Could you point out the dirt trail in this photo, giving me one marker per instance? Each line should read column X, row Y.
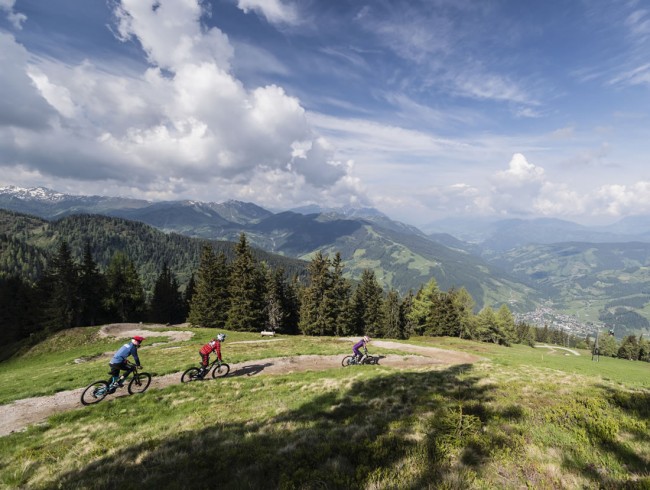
column 19, row 414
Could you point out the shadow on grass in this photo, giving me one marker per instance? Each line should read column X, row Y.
column 614, row 426
column 401, row 430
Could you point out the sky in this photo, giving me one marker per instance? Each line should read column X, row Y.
column 424, row 110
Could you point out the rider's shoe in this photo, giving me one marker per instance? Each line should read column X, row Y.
column 120, row 383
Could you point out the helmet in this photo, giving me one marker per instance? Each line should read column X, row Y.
column 366, row 339
column 221, row 337
column 138, row 338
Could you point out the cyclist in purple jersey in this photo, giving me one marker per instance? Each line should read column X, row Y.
column 355, row 349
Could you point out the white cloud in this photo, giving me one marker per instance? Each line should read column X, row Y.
column 275, row 11
column 15, row 18
column 183, row 123
column 21, row 104
column 520, row 173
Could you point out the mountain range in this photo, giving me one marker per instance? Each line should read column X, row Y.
column 598, row 274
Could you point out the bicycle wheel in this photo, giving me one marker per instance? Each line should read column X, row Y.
column 347, row 361
column 139, row 383
column 94, row 393
column 192, row 374
column 220, row 370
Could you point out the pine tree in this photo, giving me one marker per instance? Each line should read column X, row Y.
column 629, row 348
column 167, row 302
column 464, row 304
column 247, row 291
column 406, row 308
column 337, row 298
column 506, row 323
column 190, row 289
column 368, row 306
column 125, row 299
column 420, row 310
column 315, row 319
column 393, row 326
column 18, row 310
column 60, row 291
column 92, row 289
column 274, row 299
column 211, row 300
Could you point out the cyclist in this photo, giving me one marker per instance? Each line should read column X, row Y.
column 207, row 349
column 355, row 349
column 119, row 361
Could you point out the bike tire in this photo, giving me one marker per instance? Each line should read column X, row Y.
column 191, row 374
column 347, row 361
column 220, row 371
column 94, row 393
column 139, row 383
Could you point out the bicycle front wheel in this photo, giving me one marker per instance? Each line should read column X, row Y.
column 192, row 374
column 220, row 370
column 347, row 360
column 139, row 383
column 95, row 393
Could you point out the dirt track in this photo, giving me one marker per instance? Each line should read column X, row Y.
column 19, row 414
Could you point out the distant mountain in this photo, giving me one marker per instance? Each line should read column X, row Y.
column 498, row 236
column 401, row 256
column 47, row 203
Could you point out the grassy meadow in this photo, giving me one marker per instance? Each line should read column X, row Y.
column 522, row 418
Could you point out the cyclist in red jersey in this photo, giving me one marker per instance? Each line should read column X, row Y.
column 213, row 346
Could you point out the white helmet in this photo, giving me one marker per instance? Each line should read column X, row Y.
column 221, row 337
column 366, row 339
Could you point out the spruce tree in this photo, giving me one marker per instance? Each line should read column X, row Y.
column 315, row 318
column 92, row 289
column 338, row 298
column 167, row 302
column 464, row 304
column 393, row 328
column 125, row 298
column 368, row 306
column 210, row 300
column 60, row 291
column 190, row 289
column 247, row 291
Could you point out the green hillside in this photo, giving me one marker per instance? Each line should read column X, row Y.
column 518, row 418
column 27, row 241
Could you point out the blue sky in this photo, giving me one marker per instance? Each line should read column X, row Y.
column 422, row 109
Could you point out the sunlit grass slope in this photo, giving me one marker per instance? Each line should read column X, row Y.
column 524, row 418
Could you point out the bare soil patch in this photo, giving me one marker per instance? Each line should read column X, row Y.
column 19, row 414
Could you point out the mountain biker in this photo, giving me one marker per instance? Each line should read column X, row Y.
column 207, row 349
column 355, row 349
column 119, row 360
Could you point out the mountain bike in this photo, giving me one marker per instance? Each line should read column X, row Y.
column 98, row 390
column 353, row 360
column 219, row 370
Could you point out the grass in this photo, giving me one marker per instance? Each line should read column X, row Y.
column 516, row 420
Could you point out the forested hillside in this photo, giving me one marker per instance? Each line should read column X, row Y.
column 27, row 241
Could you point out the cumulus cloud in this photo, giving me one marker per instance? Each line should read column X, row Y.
column 21, row 105
column 520, row 173
column 183, row 123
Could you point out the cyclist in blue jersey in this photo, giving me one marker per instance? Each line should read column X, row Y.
column 119, row 361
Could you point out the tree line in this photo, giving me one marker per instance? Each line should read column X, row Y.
column 244, row 293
